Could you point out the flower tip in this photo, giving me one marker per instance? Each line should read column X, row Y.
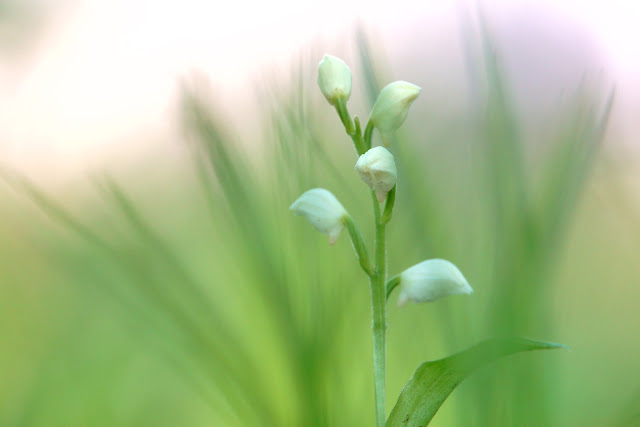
column 403, row 299
column 411, row 89
column 465, row 287
column 386, row 138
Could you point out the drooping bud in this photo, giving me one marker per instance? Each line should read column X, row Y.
column 378, row 170
column 323, row 211
column 334, row 79
column 392, row 106
column 430, row 280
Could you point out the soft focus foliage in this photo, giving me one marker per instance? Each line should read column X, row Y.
column 196, row 298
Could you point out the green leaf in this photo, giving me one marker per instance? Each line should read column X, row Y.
column 434, row 381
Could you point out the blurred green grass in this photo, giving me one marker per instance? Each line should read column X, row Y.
column 196, row 298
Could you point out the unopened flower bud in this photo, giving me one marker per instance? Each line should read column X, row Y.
column 430, row 280
column 378, row 170
column 334, row 79
column 322, row 210
column 392, row 106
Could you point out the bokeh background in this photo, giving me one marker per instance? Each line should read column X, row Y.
column 151, row 273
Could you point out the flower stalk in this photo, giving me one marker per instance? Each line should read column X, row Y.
column 378, row 310
column 359, row 246
column 345, row 118
column 426, row 281
column 377, row 276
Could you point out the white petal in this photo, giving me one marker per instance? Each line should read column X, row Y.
column 386, row 137
column 432, row 279
column 378, row 170
column 334, row 79
column 322, row 210
column 403, row 299
column 392, row 106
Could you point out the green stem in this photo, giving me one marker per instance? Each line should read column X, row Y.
column 357, row 138
column 368, row 133
column 391, row 284
column 378, row 273
column 378, row 305
column 345, row 118
column 359, row 246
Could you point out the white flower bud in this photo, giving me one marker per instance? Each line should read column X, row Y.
column 392, row 106
column 322, row 210
column 378, row 170
column 334, row 79
column 430, row 280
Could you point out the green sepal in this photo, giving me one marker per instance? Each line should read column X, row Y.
column 388, row 207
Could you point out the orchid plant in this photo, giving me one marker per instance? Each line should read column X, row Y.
column 427, row 281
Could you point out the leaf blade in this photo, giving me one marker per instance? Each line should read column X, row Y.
column 434, row 381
